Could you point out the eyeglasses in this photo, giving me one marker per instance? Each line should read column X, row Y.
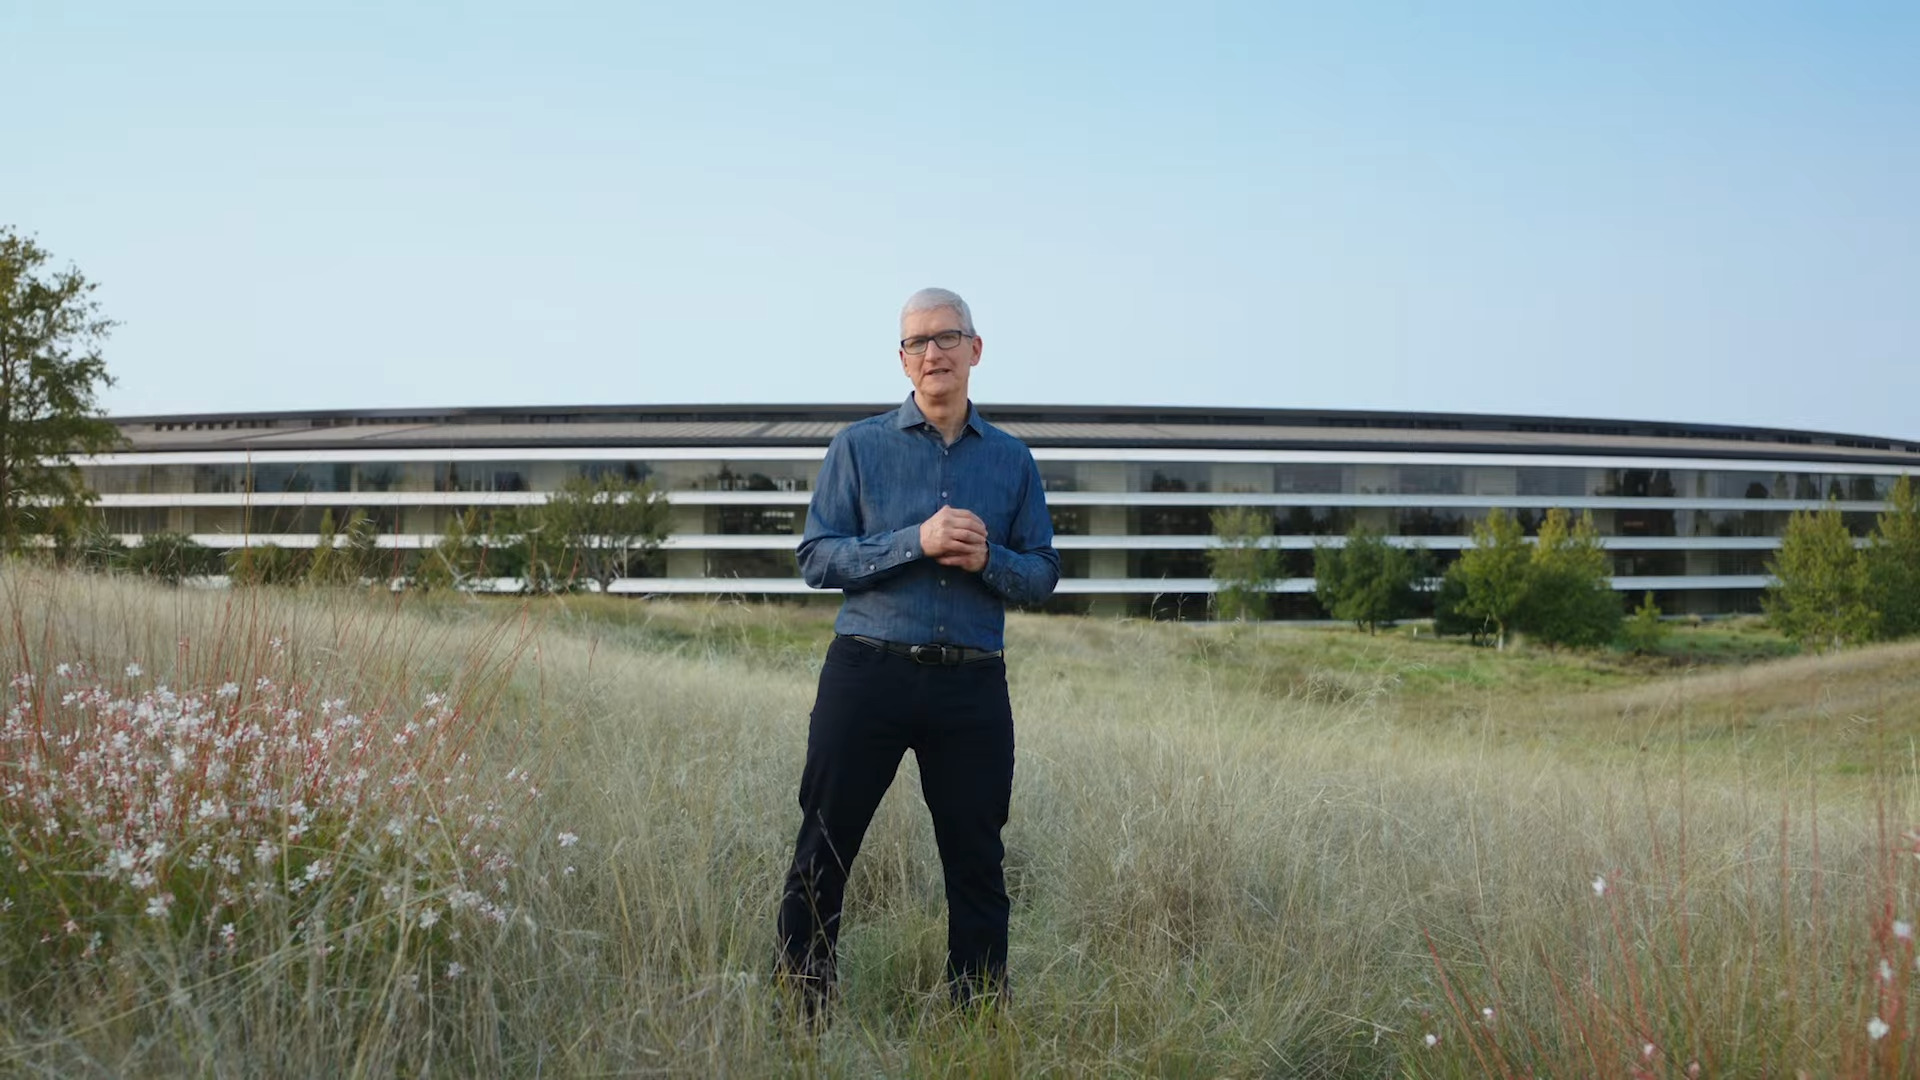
column 946, row 339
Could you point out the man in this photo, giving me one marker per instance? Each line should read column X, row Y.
column 931, row 521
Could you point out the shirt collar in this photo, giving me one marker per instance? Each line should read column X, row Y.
column 909, row 416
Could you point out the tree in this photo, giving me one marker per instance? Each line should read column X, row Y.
column 1449, row 608
column 1819, row 596
column 1494, row 572
column 1643, row 633
column 1243, row 569
column 51, row 331
column 596, row 529
column 1569, row 598
column 1893, row 562
column 1367, row 581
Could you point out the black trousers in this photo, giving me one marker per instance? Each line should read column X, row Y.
column 872, row 707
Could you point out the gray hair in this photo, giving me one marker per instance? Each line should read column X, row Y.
column 935, row 299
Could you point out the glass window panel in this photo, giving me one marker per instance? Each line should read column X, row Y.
column 1430, row 480
column 738, row 476
column 1313, row 520
column 1741, row 562
column 1068, row 520
column 757, row 521
column 1168, row 564
column 1649, row 563
column 1420, row 521
column 1171, row 476
column 752, row 564
column 1642, row 522
column 1729, row 522
column 1169, row 521
column 1554, row 481
column 1313, row 479
column 1638, row 483
column 1060, row 475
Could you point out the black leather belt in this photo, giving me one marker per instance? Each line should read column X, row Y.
column 945, row 655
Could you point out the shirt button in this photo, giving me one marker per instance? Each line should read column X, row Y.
column 943, row 583
column 869, row 566
column 940, row 629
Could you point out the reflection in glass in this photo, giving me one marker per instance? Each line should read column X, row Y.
column 756, row 521
column 1168, row 564
column 1068, row 520
column 1169, row 521
column 752, row 564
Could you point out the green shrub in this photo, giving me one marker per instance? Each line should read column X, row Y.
column 1643, row 634
column 170, row 557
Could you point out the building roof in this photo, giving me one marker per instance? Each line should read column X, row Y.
column 1038, row 425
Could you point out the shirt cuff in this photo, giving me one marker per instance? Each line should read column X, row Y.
column 995, row 572
column 902, row 547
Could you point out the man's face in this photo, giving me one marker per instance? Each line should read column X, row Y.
column 938, row 373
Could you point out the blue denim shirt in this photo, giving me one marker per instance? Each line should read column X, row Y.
column 885, row 475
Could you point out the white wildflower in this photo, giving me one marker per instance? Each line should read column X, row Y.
column 1886, row 971
column 158, row 904
column 455, row 970
column 1600, row 885
column 1432, row 1040
column 134, row 671
column 1903, row 930
column 1877, row 1029
column 567, row 839
column 227, row 690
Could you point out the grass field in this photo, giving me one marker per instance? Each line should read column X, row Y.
column 545, row 838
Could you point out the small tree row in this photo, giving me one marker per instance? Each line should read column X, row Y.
column 1829, row 592
column 594, row 529
column 591, row 530
column 1557, row 590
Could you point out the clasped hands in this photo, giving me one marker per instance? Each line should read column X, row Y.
column 954, row 537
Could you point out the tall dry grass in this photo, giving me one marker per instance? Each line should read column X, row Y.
column 1216, row 869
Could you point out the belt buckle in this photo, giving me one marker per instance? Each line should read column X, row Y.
column 935, row 654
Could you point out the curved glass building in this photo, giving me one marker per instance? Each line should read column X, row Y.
column 1689, row 511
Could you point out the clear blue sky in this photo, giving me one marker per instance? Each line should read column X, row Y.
column 1686, row 211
